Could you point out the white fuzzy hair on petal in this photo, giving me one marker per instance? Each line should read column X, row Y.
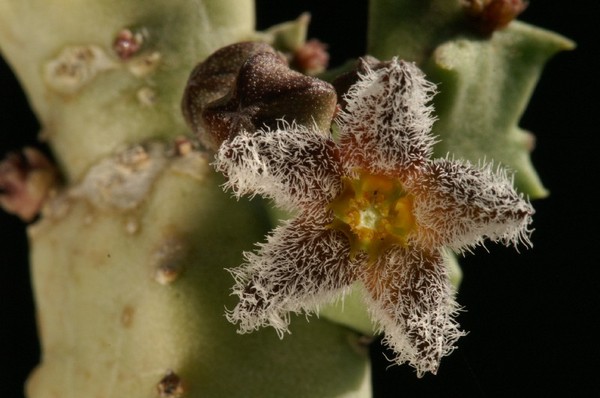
column 302, row 265
column 461, row 205
column 413, row 303
column 387, row 122
column 294, row 165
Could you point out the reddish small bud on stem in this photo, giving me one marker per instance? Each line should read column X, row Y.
column 492, row 15
column 128, row 43
column 312, row 58
column 26, row 180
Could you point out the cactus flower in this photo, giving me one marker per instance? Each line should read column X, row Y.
column 370, row 207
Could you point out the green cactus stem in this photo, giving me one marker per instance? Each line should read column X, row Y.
column 128, row 259
column 484, row 82
column 129, row 292
column 85, row 95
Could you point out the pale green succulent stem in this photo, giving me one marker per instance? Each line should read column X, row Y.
column 484, row 82
column 88, row 117
column 415, row 27
column 128, row 260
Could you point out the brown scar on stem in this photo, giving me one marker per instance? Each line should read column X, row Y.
column 127, row 316
column 170, row 386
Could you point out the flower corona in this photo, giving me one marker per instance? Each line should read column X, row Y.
column 374, row 212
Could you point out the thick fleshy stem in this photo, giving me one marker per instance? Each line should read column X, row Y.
column 128, row 257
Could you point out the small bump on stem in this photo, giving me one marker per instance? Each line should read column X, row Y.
column 146, row 96
column 75, row 67
column 144, row 66
column 166, row 260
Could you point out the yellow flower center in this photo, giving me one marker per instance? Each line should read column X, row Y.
column 374, row 211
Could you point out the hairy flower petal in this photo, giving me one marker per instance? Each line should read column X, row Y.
column 373, row 207
column 303, row 264
column 459, row 205
column 386, row 124
column 412, row 301
column 294, row 165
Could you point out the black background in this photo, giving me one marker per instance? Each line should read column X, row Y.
column 532, row 317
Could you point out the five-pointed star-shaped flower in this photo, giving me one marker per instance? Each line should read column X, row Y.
column 370, row 206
